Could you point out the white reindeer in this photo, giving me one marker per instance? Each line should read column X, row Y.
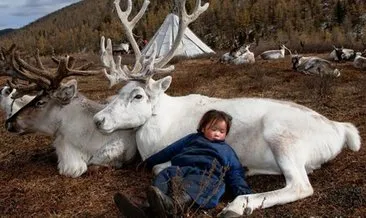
column 60, row 111
column 239, row 56
column 359, row 61
column 246, row 56
column 339, row 54
column 313, row 65
column 229, row 56
column 123, row 48
column 274, row 54
column 10, row 105
column 269, row 136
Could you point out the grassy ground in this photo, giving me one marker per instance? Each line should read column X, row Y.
column 30, row 185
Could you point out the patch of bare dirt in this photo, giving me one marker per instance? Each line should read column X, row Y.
column 30, row 185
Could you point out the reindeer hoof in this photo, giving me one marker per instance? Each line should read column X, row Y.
column 248, row 211
column 228, row 214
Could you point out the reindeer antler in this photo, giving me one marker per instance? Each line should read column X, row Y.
column 129, row 25
column 145, row 67
column 42, row 78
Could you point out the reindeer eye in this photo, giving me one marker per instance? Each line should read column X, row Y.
column 7, row 91
column 40, row 103
column 138, row 96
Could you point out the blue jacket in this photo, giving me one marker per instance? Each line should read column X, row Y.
column 200, row 161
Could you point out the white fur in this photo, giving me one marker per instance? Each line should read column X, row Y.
column 241, row 56
column 274, row 54
column 314, row 65
column 246, row 57
column 9, row 105
column 360, row 61
column 346, row 54
column 226, row 58
column 269, row 136
column 77, row 141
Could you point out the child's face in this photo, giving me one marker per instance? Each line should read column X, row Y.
column 215, row 131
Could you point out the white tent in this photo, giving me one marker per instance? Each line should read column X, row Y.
column 190, row 45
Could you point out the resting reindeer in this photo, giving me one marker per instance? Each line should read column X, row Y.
column 339, row 54
column 269, row 136
column 246, row 56
column 360, row 61
column 229, row 56
column 313, row 65
column 274, row 54
column 239, row 56
column 10, row 105
column 59, row 110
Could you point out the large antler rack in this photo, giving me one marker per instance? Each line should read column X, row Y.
column 44, row 79
column 145, row 67
column 128, row 26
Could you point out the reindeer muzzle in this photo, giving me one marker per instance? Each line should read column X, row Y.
column 10, row 126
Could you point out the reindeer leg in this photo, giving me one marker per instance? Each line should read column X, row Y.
column 109, row 152
column 71, row 162
column 292, row 166
column 297, row 187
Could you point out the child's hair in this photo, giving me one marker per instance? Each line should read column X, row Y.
column 211, row 116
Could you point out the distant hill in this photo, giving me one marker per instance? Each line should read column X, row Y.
column 6, row 31
column 301, row 24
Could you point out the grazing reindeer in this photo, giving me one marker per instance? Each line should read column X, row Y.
column 340, row 54
column 274, row 54
column 60, row 111
column 313, row 65
column 269, row 136
column 359, row 61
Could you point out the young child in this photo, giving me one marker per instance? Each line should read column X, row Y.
column 203, row 163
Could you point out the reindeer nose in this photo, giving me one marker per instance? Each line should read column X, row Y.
column 10, row 127
column 99, row 122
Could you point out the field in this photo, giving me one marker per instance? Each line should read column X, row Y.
column 30, row 185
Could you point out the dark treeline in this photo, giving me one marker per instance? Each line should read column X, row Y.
column 305, row 25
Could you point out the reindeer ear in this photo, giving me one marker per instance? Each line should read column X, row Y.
column 162, row 84
column 165, row 83
column 66, row 92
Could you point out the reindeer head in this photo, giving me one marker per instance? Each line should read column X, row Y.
column 339, row 53
column 139, row 98
column 49, row 93
column 295, row 60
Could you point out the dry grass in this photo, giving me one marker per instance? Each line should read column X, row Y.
column 31, row 187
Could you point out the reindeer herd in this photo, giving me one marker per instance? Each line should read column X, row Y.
column 270, row 136
column 308, row 65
